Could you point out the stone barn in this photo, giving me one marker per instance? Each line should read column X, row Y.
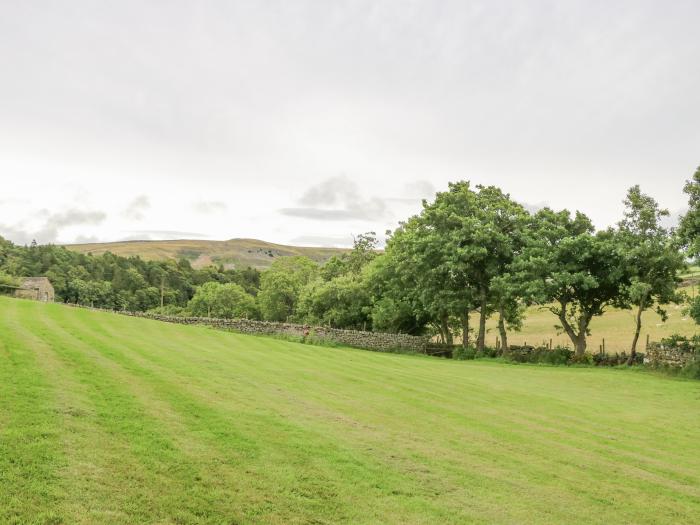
column 36, row 288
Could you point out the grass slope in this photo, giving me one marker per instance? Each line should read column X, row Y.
column 238, row 253
column 111, row 419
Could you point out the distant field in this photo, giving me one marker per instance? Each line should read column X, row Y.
column 615, row 326
column 112, row 419
column 239, row 253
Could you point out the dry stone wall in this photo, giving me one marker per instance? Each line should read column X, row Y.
column 661, row 355
column 382, row 342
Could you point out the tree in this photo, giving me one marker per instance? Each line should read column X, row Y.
column 652, row 259
column 689, row 227
column 456, row 249
column 571, row 271
column 694, row 309
column 506, row 293
column 223, row 301
column 7, row 281
column 281, row 285
column 343, row 302
column 417, row 272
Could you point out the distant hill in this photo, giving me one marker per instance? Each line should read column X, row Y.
column 234, row 253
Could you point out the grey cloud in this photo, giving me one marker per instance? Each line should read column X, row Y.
column 136, row 208
column 343, row 195
column 53, row 224
column 422, row 189
column 206, row 207
column 16, row 234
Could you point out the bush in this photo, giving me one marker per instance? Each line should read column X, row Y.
column 559, row 355
column 463, row 354
column 585, row 359
column 682, row 343
column 169, row 309
column 692, row 370
column 616, row 359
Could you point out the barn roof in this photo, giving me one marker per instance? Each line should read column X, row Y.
column 33, row 282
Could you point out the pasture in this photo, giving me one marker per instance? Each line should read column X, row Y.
column 615, row 326
column 111, row 419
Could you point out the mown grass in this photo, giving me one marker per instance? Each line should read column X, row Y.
column 111, row 419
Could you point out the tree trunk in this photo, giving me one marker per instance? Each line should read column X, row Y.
column 446, row 329
column 502, row 330
column 481, row 341
column 633, row 351
column 578, row 339
column 465, row 330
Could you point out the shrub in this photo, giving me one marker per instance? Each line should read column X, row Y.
column 169, row 309
column 462, row 353
column 585, row 359
column 692, row 370
column 682, row 343
column 559, row 355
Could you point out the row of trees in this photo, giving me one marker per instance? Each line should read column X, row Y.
column 110, row 281
column 472, row 253
column 476, row 252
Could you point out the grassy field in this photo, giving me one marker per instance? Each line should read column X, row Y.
column 111, row 419
column 615, row 326
column 238, row 253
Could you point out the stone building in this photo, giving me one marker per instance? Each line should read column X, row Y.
column 36, row 288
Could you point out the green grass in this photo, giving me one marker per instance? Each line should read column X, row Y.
column 112, row 419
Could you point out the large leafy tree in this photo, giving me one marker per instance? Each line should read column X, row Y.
column 281, row 286
column 689, row 227
column 653, row 260
column 223, row 301
column 341, row 295
column 572, row 271
column 417, row 277
column 449, row 257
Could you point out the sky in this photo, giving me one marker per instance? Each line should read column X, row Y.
column 307, row 122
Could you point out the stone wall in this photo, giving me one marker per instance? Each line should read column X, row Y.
column 661, row 355
column 378, row 341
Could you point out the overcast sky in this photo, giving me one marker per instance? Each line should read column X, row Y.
column 307, row 122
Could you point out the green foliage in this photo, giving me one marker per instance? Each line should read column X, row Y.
column 170, row 310
column 689, row 227
column 556, row 356
column 682, row 343
column 464, row 354
column 652, row 260
column 281, row 285
column 694, row 309
column 573, row 272
column 7, row 281
column 223, row 301
column 342, row 302
column 110, row 281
